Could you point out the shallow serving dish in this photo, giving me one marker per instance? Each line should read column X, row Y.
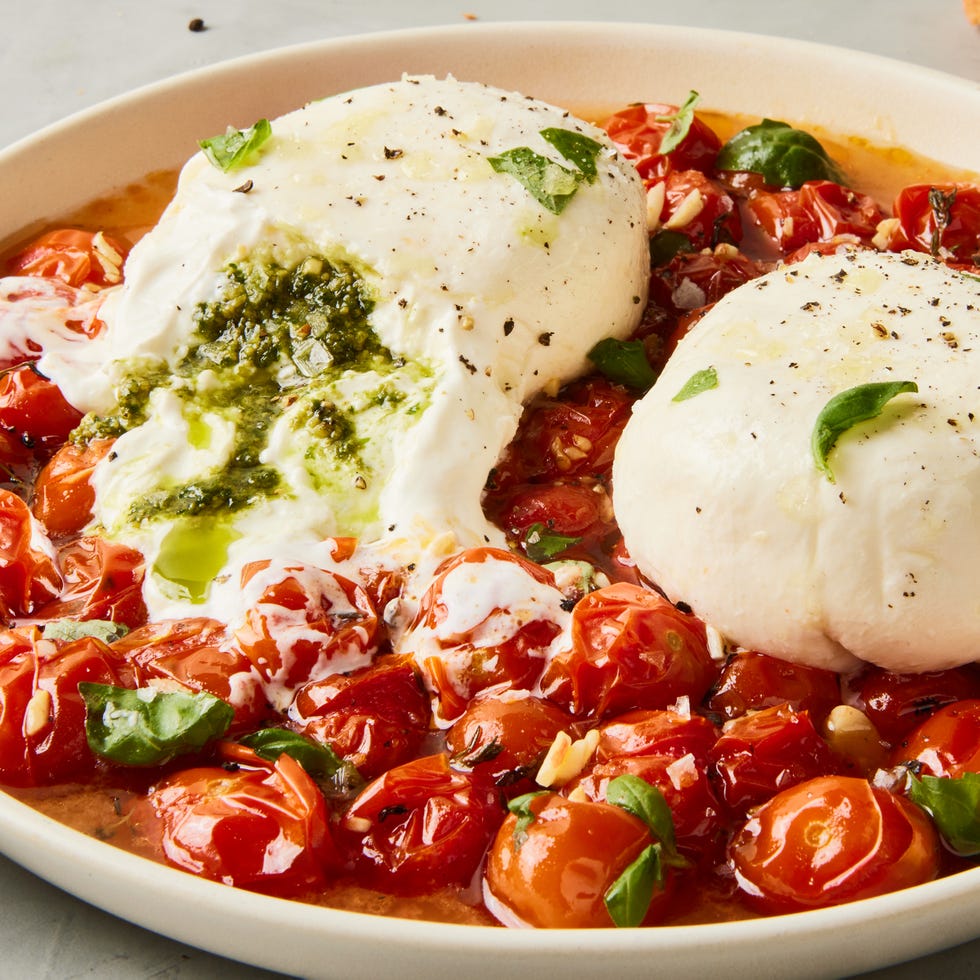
column 576, row 65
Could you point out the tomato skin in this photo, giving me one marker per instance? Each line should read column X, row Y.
column 63, row 495
column 572, row 853
column 717, row 218
column 72, row 256
column 692, row 280
column 376, row 717
column 831, row 840
column 664, row 732
column 629, row 648
column 958, row 241
column 751, row 680
column 28, row 576
column 229, row 824
column 35, row 417
column 422, row 826
column 947, row 744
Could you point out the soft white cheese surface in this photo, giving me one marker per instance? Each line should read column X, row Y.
column 723, row 506
column 495, row 295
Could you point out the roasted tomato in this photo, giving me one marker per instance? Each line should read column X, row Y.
column 693, row 205
column 375, row 717
column 35, row 418
column 692, row 280
column 63, row 493
column 664, row 732
column 423, row 826
column 73, row 256
column 831, row 840
column 629, row 648
column 941, row 219
column 947, row 744
column 252, row 824
column 28, row 575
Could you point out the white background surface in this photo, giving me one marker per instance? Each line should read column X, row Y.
column 59, row 56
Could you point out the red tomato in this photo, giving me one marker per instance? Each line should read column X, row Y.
column 63, row 493
column 423, row 826
column 35, row 418
column 699, row 208
column 767, row 751
column 818, row 212
column 375, row 717
column 556, row 873
column 464, row 641
column 630, row 648
column 751, row 680
column 28, row 575
column 199, row 655
column 102, row 580
column 831, row 840
column 665, row 732
column 259, row 825
column 304, row 623
column 506, row 736
column 42, row 715
column 898, row 703
column 693, row 280
column 947, row 744
column 75, row 257
column 638, row 130
column 942, row 219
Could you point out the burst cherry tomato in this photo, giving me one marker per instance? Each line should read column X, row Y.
column 73, row 256
column 422, row 826
column 831, row 840
column 630, row 648
column 942, row 219
column 63, row 492
column 28, row 575
column 947, row 744
column 693, row 280
column 698, row 208
column 664, row 732
column 256, row 825
column 35, row 418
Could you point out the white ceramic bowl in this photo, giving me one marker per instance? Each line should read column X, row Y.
column 579, row 65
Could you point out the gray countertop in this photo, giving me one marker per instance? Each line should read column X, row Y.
column 58, row 56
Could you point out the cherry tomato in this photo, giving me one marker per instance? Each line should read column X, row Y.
column 74, row 256
column 638, row 131
column 898, row 703
column 942, row 219
column 199, row 655
column 665, row 732
column 375, row 717
column 42, row 715
column 764, row 752
column 630, row 648
column 698, row 208
column 693, row 280
column 831, row 840
column 751, row 680
column 63, row 492
column 28, row 575
column 947, row 744
column 253, row 824
column 303, row 623
column 818, row 211
column 506, row 734
column 554, row 872
column 35, row 418
column 488, row 618
column 422, row 826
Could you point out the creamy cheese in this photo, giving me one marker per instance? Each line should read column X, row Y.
column 722, row 503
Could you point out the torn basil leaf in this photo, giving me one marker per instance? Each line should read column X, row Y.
column 335, row 775
column 668, row 244
column 954, row 805
column 67, row 630
column 542, row 545
column 549, row 183
column 697, row 383
column 628, row 898
column 577, row 148
column 147, row 726
column 234, row 149
column 646, row 803
column 680, row 123
column 847, row 409
column 520, row 806
column 623, row 361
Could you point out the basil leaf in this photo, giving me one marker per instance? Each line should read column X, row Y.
column 541, row 545
column 666, row 245
column 697, row 383
column 520, row 806
column 628, row 898
column 577, row 148
column 549, row 183
column 646, row 803
column 336, row 776
column 786, row 157
column 148, row 727
column 680, row 123
column 942, row 210
column 234, row 148
column 74, row 629
column 845, row 410
column 954, row 805
column 623, row 361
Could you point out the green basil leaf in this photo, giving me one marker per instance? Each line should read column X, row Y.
column 74, row 629
column 847, row 409
column 786, row 157
column 234, row 148
column 549, row 183
column 541, row 545
column 680, row 123
column 666, row 245
column 628, row 898
column 520, row 806
column 954, row 805
column 148, row 727
column 646, row 803
column 577, row 148
column 697, row 383
column 623, row 361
